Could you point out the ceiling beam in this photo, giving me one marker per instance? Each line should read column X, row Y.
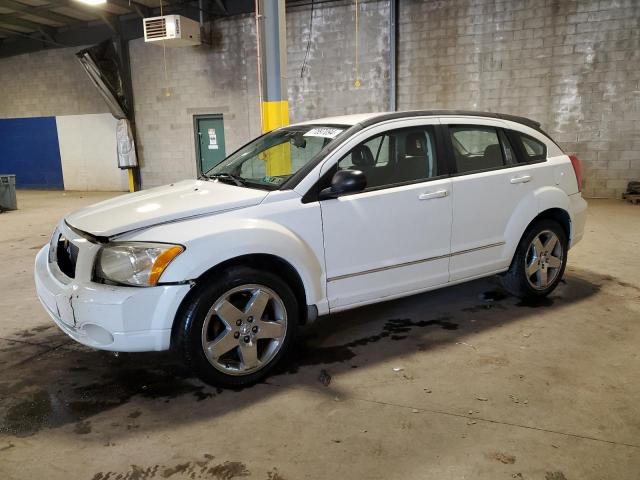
column 97, row 29
column 87, row 34
column 10, row 19
column 48, row 33
column 34, row 38
column 110, row 20
column 140, row 9
column 40, row 11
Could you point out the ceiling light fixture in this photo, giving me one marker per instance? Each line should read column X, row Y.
column 93, row 2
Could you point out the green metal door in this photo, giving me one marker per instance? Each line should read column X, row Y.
column 209, row 141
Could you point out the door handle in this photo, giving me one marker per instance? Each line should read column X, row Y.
column 430, row 195
column 522, row 179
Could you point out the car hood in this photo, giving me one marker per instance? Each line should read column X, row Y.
column 173, row 202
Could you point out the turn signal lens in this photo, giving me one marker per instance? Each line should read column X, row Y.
column 163, row 260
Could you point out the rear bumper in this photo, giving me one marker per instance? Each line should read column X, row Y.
column 578, row 212
column 123, row 319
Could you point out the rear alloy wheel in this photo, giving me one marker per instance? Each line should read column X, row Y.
column 543, row 260
column 234, row 329
column 539, row 261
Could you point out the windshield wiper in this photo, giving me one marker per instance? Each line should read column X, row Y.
column 236, row 179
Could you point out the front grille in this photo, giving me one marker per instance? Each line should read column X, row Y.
column 65, row 255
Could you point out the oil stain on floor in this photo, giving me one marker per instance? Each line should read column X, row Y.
column 195, row 469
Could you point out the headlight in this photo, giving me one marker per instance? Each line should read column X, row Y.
column 135, row 263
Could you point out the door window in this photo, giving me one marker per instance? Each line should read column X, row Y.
column 396, row 157
column 476, row 148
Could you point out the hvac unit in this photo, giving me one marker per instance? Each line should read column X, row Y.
column 171, row 30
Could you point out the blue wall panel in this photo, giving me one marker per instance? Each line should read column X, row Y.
column 29, row 149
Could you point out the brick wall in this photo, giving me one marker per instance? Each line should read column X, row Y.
column 572, row 65
column 222, row 79
column 46, row 83
column 199, row 80
column 326, row 85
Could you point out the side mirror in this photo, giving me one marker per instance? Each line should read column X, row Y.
column 344, row 181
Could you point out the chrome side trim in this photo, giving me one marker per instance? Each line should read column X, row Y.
column 413, row 262
column 491, row 245
column 381, row 269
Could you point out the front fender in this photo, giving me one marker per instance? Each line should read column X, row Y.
column 235, row 237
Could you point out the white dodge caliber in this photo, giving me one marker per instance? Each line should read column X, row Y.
column 309, row 219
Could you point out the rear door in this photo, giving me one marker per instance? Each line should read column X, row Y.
column 489, row 186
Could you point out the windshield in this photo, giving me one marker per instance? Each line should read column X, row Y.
column 268, row 161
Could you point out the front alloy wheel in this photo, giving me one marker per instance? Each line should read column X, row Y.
column 236, row 325
column 244, row 329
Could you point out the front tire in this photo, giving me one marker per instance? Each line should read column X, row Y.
column 233, row 330
column 539, row 262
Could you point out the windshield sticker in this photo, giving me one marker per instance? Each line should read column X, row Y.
column 273, row 180
column 324, row 132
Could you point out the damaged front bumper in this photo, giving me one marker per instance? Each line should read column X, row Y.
column 116, row 318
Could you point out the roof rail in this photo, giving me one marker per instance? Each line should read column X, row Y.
column 439, row 113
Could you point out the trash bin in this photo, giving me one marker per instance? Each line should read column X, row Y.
column 8, row 192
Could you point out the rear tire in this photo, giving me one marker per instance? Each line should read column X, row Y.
column 539, row 262
column 233, row 330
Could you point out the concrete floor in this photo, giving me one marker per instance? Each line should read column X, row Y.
column 443, row 385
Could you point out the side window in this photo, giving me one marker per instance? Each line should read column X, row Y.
column 379, row 148
column 395, row 157
column 476, row 148
column 532, row 149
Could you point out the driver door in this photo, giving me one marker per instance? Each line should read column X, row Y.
column 393, row 238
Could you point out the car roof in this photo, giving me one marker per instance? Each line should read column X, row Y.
column 349, row 120
column 365, row 119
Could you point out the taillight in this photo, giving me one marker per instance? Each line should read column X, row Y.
column 576, row 168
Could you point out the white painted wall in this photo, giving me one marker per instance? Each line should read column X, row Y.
column 88, row 153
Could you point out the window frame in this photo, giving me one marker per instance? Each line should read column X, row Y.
column 453, row 168
column 504, row 143
column 441, row 163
